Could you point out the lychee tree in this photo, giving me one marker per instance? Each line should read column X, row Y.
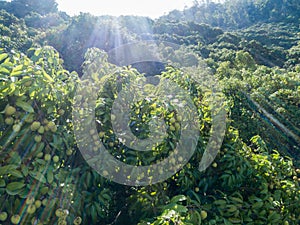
column 45, row 180
column 36, row 140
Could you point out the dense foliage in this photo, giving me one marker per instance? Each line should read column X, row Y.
column 235, row 14
column 252, row 49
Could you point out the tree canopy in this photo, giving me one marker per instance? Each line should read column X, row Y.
column 249, row 50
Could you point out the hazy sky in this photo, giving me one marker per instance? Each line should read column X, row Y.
column 152, row 8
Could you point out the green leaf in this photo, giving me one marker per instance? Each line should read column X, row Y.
column 178, row 198
column 14, row 188
column 40, row 147
column 3, row 56
column 16, row 173
column 44, row 190
column 2, row 183
column 180, row 208
column 37, row 52
column 257, row 205
column 14, row 192
column 107, row 197
column 48, row 77
column 38, row 176
column 93, row 213
column 50, row 175
column 24, row 192
column 6, row 169
column 25, row 106
column 24, row 169
column 16, row 73
column 18, row 68
column 4, row 71
column 51, row 203
column 273, row 217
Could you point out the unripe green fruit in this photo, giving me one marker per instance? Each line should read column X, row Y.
column 44, row 202
column 44, row 190
column 65, row 213
column 61, row 112
column 62, row 222
column 79, row 98
column 30, row 200
column 77, row 220
column 40, row 155
column 35, row 125
column 54, row 129
column 111, row 144
column 16, row 127
column 38, row 138
column 59, row 212
column 85, row 105
column 197, row 189
column 15, row 219
column 69, row 152
column 177, row 126
column 101, row 134
column 172, row 128
column 173, row 161
column 95, row 137
column 9, row 121
column 17, row 121
column 47, row 157
column 214, row 165
column 38, row 203
column 41, row 130
column 45, row 122
column 3, row 216
column 105, row 173
column 203, row 214
column 10, row 110
column 34, row 221
column 50, row 124
column 31, row 209
column 172, row 120
column 28, row 83
column 113, row 117
column 55, row 158
column 29, row 118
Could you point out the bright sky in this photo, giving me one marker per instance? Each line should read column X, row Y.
column 150, row 8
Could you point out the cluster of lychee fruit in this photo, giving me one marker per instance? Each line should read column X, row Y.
column 174, row 124
column 36, row 126
column 39, row 128
column 3, row 216
column 11, row 118
column 62, row 217
column 33, row 205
